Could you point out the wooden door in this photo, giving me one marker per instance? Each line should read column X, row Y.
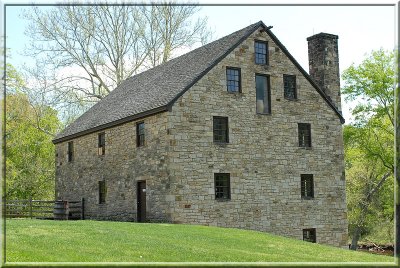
column 141, row 201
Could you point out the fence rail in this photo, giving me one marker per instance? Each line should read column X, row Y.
column 44, row 209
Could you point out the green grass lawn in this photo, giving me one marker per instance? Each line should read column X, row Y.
column 100, row 241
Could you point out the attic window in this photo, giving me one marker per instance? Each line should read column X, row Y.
column 260, row 50
column 233, row 82
column 289, row 86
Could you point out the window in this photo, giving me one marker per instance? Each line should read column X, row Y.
column 222, row 186
column 304, row 135
column 70, row 151
column 307, row 186
column 263, row 99
column 220, row 129
column 102, row 192
column 289, row 86
column 309, row 235
column 233, row 79
column 140, row 134
column 260, row 50
column 102, row 143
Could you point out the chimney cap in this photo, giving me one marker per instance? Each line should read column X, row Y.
column 323, row 36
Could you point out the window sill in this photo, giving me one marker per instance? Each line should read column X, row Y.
column 305, row 148
column 262, row 64
column 234, row 92
column 289, row 99
column 307, row 198
column 223, row 200
column 221, row 144
column 262, row 114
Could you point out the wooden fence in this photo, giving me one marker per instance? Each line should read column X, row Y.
column 42, row 209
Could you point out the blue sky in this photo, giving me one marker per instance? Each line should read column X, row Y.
column 361, row 29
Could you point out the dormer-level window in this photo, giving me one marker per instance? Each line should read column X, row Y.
column 70, row 151
column 289, row 87
column 233, row 82
column 102, row 143
column 260, row 50
column 140, row 134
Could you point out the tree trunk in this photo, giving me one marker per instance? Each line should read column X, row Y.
column 356, row 237
column 397, row 236
column 364, row 207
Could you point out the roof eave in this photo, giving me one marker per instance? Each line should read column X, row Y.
column 112, row 124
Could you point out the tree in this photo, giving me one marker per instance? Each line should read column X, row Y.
column 369, row 140
column 84, row 52
column 29, row 130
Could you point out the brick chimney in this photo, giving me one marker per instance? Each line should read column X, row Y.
column 323, row 58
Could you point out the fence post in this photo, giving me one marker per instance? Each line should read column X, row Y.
column 82, row 208
column 30, row 207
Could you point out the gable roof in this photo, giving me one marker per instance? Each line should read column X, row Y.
column 156, row 89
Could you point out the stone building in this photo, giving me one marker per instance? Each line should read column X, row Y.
column 235, row 134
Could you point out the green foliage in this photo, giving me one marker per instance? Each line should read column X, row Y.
column 96, row 241
column 372, row 83
column 369, row 143
column 30, row 164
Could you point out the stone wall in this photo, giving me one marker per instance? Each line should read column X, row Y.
column 262, row 157
column 121, row 167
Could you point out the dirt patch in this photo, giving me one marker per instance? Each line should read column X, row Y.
column 377, row 249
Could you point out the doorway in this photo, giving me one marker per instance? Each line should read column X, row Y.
column 141, row 201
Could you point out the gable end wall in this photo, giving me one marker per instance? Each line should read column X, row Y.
column 262, row 157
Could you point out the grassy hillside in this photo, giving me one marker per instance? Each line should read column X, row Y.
column 99, row 241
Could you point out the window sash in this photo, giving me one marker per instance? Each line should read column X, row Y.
column 233, row 81
column 140, row 134
column 102, row 143
column 304, row 135
column 289, row 85
column 307, row 186
column 222, row 186
column 220, row 129
column 309, row 235
column 263, row 95
column 102, row 192
column 70, row 151
column 260, row 51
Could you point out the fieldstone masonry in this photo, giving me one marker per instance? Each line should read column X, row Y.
column 323, row 56
column 263, row 158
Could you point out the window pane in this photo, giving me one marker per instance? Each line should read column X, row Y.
column 307, row 186
column 233, row 79
column 140, row 134
column 262, row 95
column 289, row 82
column 260, row 49
column 304, row 135
column 222, row 185
column 220, row 129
